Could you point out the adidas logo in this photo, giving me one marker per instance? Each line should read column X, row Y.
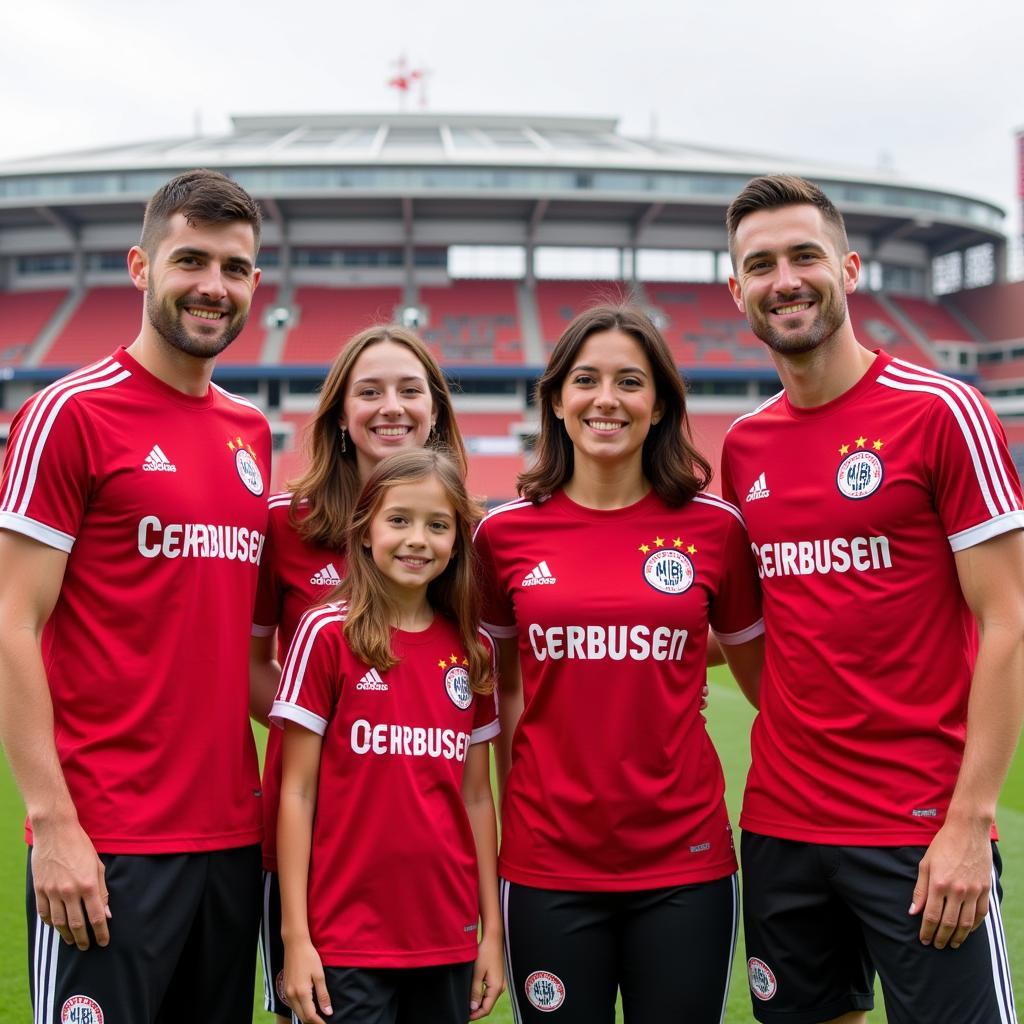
column 758, row 489
column 326, row 577
column 371, row 681
column 539, row 575
column 157, row 462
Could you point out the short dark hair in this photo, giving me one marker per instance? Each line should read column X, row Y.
column 774, row 191
column 202, row 197
column 674, row 467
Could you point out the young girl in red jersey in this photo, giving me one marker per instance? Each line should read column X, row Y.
column 384, row 393
column 386, row 830
column 617, row 862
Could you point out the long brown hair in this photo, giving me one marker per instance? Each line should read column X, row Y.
column 674, row 467
column 454, row 593
column 330, row 485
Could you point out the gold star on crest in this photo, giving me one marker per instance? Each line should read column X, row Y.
column 442, row 663
column 844, row 449
column 644, row 548
column 465, row 662
column 659, row 542
column 677, row 542
column 454, row 659
column 691, row 550
column 877, row 445
column 861, row 441
column 231, row 445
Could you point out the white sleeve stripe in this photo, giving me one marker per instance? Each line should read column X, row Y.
column 987, row 530
column 302, row 644
column 238, row 399
column 501, row 632
column 982, row 427
column 485, row 732
column 39, row 402
column 742, row 636
column 28, row 446
column 507, row 507
column 958, row 414
column 47, row 535
column 728, row 506
column 974, row 401
column 285, row 711
column 764, row 405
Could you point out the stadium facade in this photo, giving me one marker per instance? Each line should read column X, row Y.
column 474, row 229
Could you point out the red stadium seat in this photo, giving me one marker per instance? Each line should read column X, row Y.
column 23, row 315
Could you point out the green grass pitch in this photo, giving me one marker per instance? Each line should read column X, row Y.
column 729, row 723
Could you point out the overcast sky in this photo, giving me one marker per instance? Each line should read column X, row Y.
column 931, row 88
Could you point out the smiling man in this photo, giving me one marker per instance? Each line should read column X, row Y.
column 885, row 515
column 132, row 514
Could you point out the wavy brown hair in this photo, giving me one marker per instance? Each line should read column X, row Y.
column 671, row 463
column 371, row 612
column 331, row 484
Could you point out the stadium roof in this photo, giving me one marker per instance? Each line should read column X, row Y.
column 473, row 167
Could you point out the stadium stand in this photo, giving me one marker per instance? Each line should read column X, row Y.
column 703, row 327
column 473, row 322
column 875, row 327
column 247, row 348
column 932, row 319
column 327, row 317
column 489, row 424
column 104, row 319
column 997, row 312
column 559, row 301
column 492, row 478
column 23, row 315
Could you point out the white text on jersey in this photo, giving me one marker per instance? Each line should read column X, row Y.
column 199, row 540
column 409, row 740
column 806, row 557
column 615, row 643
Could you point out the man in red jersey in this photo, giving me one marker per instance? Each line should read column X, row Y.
column 885, row 516
column 132, row 518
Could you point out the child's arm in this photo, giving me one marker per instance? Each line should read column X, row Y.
column 488, row 972
column 303, row 971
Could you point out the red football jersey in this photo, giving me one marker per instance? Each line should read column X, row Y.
column 854, row 510
column 158, row 498
column 393, row 877
column 294, row 576
column 615, row 784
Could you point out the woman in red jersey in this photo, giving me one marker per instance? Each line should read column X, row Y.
column 386, row 834
column 617, row 865
column 384, row 393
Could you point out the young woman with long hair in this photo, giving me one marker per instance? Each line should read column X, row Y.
column 386, row 836
column 617, row 865
column 384, row 393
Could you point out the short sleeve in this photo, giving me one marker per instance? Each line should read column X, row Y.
column 976, row 490
column 269, row 592
column 497, row 612
column 48, row 470
column 735, row 613
column 485, row 706
column 312, row 673
column 728, row 490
